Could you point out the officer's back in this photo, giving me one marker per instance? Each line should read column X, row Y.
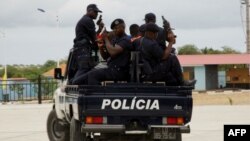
column 84, row 44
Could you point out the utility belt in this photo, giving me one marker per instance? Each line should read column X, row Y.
column 83, row 54
column 82, row 43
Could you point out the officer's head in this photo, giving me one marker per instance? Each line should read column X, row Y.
column 142, row 29
column 118, row 26
column 134, row 30
column 151, row 30
column 92, row 11
column 150, row 17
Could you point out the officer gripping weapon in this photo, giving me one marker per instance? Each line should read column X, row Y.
column 85, row 43
column 168, row 30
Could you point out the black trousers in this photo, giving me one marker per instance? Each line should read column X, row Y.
column 96, row 76
column 80, row 77
column 82, row 57
column 169, row 71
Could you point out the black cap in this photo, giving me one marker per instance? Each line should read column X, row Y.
column 152, row 27
column 150, row 17
column 116, row 22
column 93, row 7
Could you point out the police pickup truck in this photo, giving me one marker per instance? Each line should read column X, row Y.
column 119, row 111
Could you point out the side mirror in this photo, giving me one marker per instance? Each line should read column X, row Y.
column 58, row 73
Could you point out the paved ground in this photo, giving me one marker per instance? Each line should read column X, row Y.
column 207, row 121
column 222, row 98
column 27, row 122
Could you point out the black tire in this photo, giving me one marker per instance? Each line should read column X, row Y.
column 57, row 131
column 75, row 131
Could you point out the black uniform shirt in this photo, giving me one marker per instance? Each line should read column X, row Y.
column 151, row 51
column 136, row 44
column 161, row 39
column 85, row 28
column 121, row 60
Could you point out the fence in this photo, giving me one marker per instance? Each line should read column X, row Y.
column 27, row 90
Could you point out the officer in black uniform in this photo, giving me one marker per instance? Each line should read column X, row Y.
column 117, row 54
column 165, row 66
column 84, row 43
column 161, row 38
column 118, row 50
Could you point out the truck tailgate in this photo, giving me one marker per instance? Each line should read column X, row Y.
column 133, row 100
column 136, row 105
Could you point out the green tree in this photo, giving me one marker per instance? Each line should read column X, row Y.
column 207, row 50
column 12, row 71
column 49, row 65
column 31, row 72
column 229, row 50
column 189, row 49
column 64, row 60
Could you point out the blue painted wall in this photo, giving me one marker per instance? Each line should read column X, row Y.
column 200, row 76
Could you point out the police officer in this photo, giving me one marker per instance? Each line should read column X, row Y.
column 84, row 43
column 118, row 52
column 134, row 32
column 161, row 38
column 164, row 65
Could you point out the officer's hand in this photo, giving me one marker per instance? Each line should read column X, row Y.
column 104, row 34
column 101, row 25
column 99, row 21
column 111, row 35
column 171, row 38
column 100, row 44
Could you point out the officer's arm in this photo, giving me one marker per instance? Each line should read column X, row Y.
column 113, row 50
column 167, row 51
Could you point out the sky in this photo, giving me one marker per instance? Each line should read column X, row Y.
column 29, row 36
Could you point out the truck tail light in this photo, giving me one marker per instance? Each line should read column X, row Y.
column 96, row 120
column 173, row 120
column 180, row 120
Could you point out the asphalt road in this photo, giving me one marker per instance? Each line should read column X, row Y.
column 27, row 122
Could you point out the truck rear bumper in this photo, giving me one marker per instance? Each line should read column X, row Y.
column 103, row 128
column 183, row 129
column 99, row 128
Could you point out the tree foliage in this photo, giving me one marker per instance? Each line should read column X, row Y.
column 49, row 65
column 189, row 49
column 192, row 49
column 229, row 50
column 28, row 71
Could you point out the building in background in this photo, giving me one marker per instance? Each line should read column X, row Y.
column 204, row 68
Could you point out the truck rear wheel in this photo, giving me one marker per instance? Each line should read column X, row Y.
column 57, row 131
column 75, row 131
